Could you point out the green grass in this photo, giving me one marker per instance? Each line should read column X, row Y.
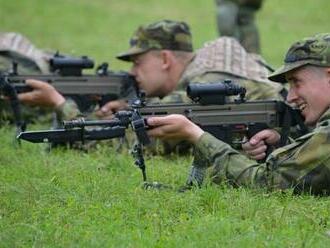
column 68, row 198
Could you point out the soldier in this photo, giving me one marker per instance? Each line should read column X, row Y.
column 303, row 165
column 236, row 18
column 164, row 63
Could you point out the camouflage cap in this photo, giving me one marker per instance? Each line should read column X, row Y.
column 309, row 51
column 165, row 34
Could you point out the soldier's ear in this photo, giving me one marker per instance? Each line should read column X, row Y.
column 167, row 58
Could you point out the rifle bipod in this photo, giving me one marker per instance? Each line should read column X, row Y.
column 137, row 153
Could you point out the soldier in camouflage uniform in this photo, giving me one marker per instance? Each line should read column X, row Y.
column 221, row 59
column 304, row 164
column 164, row 63
column 236, row 18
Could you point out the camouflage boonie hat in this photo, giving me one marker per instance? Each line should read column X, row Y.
column 165, row 34
column 309, row 51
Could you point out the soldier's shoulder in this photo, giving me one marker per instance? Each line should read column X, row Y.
column 226, row 55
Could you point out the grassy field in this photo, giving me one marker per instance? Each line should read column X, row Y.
column 73, row 199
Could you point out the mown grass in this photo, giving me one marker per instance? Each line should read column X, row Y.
column 68, row 198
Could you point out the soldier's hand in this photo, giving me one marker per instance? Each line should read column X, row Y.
column 175, row 127
column 108, row 109
column 43, row 95
column 256, row 147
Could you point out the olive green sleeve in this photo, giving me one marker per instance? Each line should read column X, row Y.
column 303, row 165
column 228, row 164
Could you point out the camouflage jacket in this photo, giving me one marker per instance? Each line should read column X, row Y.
column 303, row 165
column 224, row 58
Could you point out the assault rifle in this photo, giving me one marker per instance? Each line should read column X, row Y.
column 68, row 79
column 229, row 122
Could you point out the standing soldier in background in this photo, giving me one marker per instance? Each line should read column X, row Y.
column 236, row 18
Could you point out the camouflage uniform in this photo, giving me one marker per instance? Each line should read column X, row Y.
column 303, row 165
column 235, row 18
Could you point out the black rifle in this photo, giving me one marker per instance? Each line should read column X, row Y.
column 229, row 122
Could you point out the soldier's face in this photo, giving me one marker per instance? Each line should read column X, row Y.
column 149, row 73
column 310, row 91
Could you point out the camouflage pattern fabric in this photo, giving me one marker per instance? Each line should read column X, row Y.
column 236, row 18
column 303, row 165
column 165, row 34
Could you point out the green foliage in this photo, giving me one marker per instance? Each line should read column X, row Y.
column 68, row 198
